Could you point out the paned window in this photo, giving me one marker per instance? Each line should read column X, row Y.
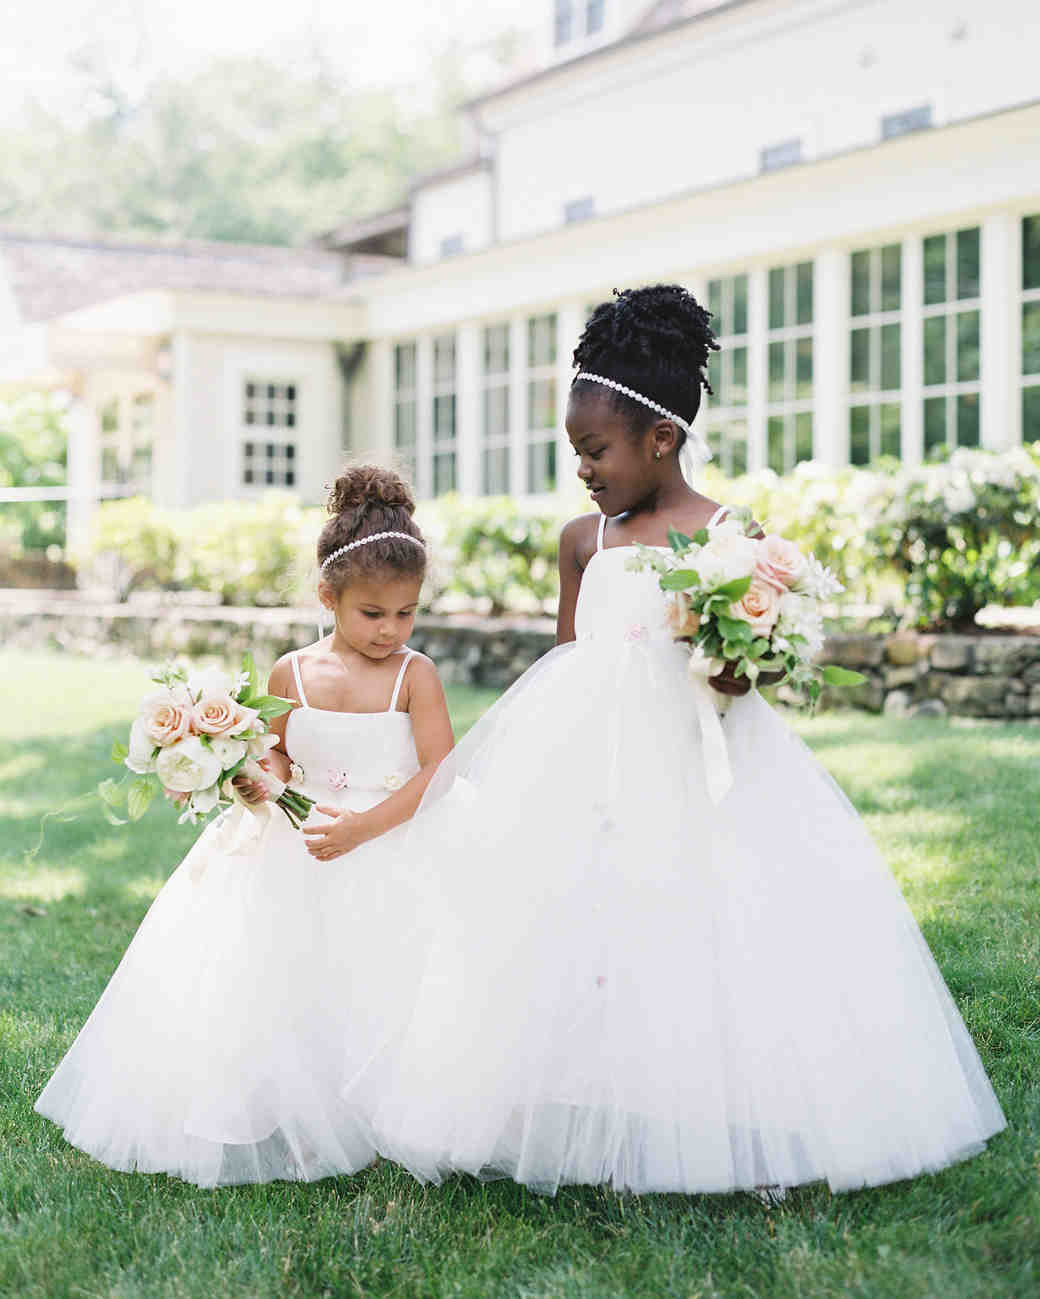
column 541, row 403
column 405, row 407
column 495, row 402
column 1031, row 328
column 875, row 356
column 952, row 340
column 445, row 398
column 790, row 367
column 725, row 419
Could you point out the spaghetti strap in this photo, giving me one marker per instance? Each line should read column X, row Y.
column 602, row 529
column 408, row 655
column 298, row 678
column 717, row 516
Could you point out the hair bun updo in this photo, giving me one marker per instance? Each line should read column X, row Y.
column 366, row 500
column 370, row 485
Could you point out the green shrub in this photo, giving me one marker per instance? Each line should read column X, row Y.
column 963, row 534
column 136, row 544
column 33, row 453
column 250, row 552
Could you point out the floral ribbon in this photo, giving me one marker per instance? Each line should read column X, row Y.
column 710, row 706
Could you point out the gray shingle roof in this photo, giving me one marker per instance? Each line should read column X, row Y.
column 51, row 276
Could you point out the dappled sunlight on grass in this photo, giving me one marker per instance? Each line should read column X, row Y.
column 42, row 884
column 145, row 886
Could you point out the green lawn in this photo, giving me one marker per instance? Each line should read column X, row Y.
column 954, row 806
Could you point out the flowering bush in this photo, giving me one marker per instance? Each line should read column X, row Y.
column 963, row 534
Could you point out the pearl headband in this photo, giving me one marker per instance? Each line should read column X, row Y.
column 374, row 536
column 702, row 451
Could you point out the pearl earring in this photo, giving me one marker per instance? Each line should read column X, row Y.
column 657, row 455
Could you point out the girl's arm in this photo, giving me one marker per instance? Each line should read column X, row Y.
column 571, row 569
column 434, row 740
column 276, row 760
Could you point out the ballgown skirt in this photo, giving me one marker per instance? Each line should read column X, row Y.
column 595, row 974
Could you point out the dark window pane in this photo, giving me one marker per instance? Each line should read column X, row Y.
column 290, row 392
column 803, row 436
column 247, row 475
column 934, row 423
column 967, row 346
column 891, row 277
column 859, row 435
column 290, row 419
column 1031, row 414
column 443, row 472
column 270, row 418
column 968, row 266
column 777, row 281
column 541, row 404
column 1031, row 252
column 715, row 378
column 935, row 350
column 738, row 377
column 496, row 412
column 891, row 419
column 269, row 477
column 935, row 269
column 1031, row 337
column 290, row 478
column 803, row 368
column 541, row 467
column 776, row 371
column 496, row 471
column 715, row 306
column 248, row 450
column 250, row 389
column 737, row 443
column 891, row 367
column 777, row 449
column 859, row 360
column 272, row 391
column 290, row 450
column 740, row 283
column 444, row 417
column 861, row 284
column 249, row 417
column 269, row 450
column 804, row 291
column 968, row 419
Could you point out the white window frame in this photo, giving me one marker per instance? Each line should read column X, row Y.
column 790, row 406
column 949, row 310
column 491, row 381
column 714, row 414
column 875, row 321
column 442, row 387
column 537, row 436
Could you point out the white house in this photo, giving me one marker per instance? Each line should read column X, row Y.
column 853, row 187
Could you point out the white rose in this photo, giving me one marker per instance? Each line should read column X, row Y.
column 726, row 558
column 800, row 617
column 227, row 751
column 187, row 766
column 211, row 681
column 140, row 759
column 205, row 800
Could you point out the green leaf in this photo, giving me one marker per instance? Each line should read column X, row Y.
column 141, row 793
column 678, row 541
column 249, row 667
column 733, row 629
column 271, row 706
column 731, row 651
column 700, row 537
column 758, row 647
column 836, row 676
column 679, row 579
column 110, row 816
column 735, row 590
column 113, row 794
column 119, row 751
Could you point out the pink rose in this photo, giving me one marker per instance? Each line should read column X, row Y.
column 339, row 779
column 779, row 562
column 759, row 607
column 222, row 715
column 681, row 619
column 165, row 717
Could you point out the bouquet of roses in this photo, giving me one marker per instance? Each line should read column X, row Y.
column 192, row 737
column 751, row 601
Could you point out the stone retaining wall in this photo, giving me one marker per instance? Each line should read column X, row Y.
column 908, row 674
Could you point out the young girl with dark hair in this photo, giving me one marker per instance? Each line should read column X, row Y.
column 218, row 1050
column 628, row 982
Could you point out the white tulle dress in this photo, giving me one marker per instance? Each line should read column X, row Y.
column 621, row 982
column 219, row 1048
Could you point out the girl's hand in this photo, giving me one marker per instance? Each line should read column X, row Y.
column 727, row 682
column 341, row 835
column 250, row 791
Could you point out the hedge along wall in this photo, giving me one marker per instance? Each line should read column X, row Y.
column 908, row 673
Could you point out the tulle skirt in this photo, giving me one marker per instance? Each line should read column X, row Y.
column 594, row 974
column 219, row 1048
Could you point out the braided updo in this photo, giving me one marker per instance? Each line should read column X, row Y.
column 365, row 499
column 656, row 340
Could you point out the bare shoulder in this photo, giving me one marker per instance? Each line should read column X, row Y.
column 281, row 673
column 422, row 681
column 578, row 539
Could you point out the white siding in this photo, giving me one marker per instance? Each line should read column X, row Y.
column 695, row 108
column 460, row 208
